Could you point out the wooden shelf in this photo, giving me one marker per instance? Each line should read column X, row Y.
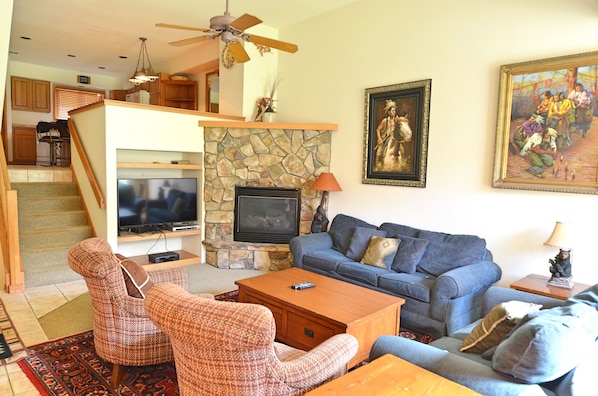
column 269, row 125
column 126, row 236
column 185, row 258
column 145, row 165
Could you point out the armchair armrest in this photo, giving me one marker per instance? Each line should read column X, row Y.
column 303, row 244
column 178, row 276
column 322, row 362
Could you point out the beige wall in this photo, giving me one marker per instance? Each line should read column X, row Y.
column 460, row 45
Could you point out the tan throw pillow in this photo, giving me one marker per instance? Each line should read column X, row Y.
column 137, row 280
column 380, row 252
column 496, row 325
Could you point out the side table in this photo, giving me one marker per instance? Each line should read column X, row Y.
column 390, row 375
column 538, row 284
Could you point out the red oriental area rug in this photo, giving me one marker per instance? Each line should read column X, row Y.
column 70, row 366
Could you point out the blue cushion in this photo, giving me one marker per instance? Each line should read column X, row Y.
column 360, row 240
column 360, row 272
column 446, row 252
column 547, row 344
column 325, row 260
column 417, row 285
column 341, row 229
column 589, row 297
column 410, row 252
column 394, row 230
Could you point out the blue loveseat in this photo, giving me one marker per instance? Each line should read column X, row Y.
column 442, row 277
column 548, row 351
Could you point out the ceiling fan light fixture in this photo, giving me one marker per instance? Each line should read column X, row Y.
column 142, row 72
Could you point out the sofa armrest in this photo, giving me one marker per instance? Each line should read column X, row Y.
column 497, row 294
column 468, row 373
column 464, row 280
column 303, row 244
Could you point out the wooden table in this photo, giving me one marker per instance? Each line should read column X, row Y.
column 538, row 284
column 389, row 375
column 306, row 318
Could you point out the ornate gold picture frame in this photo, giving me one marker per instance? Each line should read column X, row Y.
column 547, row 132
column 396, row 134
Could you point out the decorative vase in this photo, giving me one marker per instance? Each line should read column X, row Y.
column 269, row 115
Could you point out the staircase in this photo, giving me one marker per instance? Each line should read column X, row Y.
column 51, row 221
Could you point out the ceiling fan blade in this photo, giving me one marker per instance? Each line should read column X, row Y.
column 281, row 45
column 192, row 40
column 238, row 52
column 245, row 21
column 169, row 26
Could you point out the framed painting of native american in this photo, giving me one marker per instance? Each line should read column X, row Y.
column 396, row 134
column 547, row 136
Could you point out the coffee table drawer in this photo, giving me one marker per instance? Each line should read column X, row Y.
column 306, row 332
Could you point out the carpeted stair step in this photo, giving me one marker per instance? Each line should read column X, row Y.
column 49, row 275
column 48, row 237
column 55, row 189
column 49, row 204
column 52, row 219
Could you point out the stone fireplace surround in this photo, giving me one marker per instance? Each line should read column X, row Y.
column 258, row 154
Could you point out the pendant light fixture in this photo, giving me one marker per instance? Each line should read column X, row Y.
column 142, row 73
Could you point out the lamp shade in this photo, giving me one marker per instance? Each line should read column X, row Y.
column 559, row 238
column 326, row 182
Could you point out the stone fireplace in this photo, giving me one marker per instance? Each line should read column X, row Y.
column 248, row 154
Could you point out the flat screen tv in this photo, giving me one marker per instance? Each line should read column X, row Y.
column 154, row 203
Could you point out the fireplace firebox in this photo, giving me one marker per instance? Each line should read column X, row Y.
column 266, row 214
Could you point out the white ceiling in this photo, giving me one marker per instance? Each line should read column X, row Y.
column 97, row 32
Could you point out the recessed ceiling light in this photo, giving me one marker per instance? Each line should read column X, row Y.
column 26, row 38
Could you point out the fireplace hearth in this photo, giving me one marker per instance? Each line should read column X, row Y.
column 266, row 214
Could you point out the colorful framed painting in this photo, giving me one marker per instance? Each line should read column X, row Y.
column 547, row 132
column 396, row 134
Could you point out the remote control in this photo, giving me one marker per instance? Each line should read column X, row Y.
column 303, row 285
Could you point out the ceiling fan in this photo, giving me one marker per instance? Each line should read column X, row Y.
column 231, row 30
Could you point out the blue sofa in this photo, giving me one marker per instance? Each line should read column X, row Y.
column 442, row 277
column 550, row 351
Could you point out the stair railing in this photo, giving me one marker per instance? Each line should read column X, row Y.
column 93, row 181
column 9, row 231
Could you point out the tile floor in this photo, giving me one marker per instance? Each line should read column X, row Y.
column 24, row 309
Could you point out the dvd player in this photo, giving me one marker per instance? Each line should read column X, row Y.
column 183, row 227
column 162, row 257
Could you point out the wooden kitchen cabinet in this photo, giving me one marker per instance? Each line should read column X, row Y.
column 24, row 145
column 30, row 95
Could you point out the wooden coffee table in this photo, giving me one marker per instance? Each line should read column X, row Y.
column 390, row 375
column 306, row 318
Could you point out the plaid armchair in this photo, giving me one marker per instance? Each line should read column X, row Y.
column 228, row 348
column 123, row 334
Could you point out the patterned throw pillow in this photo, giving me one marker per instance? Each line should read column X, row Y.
column 496, row 325
column 380, row 252
column 360, row 241
column 137, row 280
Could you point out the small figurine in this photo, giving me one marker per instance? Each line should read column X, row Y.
column 560, row 265
column 320, row 221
